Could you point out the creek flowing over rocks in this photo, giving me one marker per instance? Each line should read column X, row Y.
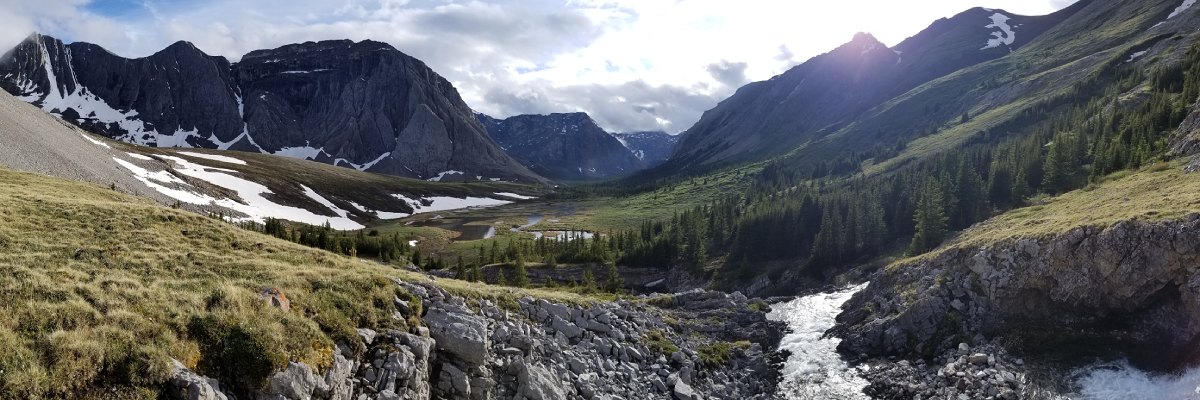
column 814, row 369
column 692, row 345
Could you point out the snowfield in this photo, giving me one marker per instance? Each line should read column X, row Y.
column 253, row 204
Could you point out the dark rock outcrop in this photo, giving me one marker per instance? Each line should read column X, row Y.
column 563, row 146
column 1131, row 288
column 361, row 105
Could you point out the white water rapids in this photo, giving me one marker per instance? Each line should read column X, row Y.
column 816, row 371
column 1120, row 381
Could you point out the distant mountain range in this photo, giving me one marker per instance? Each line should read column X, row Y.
column 361, row 105
column 563, row 146
column 572, row 147
column 652, row 147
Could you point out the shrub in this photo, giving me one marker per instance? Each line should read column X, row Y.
column 657, row 341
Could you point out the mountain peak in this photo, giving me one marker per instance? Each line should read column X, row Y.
column 864, row 37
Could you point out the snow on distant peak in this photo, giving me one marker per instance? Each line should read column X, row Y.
column 1003, row 36
column 1182, row 7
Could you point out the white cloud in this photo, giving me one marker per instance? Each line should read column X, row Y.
column 633, row 64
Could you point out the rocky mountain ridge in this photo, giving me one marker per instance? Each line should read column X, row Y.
column 829, row 92
column 361, row 105
column 566, row 146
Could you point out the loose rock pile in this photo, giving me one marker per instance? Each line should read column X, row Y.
column 539, row 350
column 984, row 372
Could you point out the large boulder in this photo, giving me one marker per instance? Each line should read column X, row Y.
column 458, row 331
column 536, row 383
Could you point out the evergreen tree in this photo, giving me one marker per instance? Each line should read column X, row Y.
column 460, row 269
column 521, row 275
column 589, row 280
column 615, row 282
column 500, row 278
column 930, row 220
column 473, row 276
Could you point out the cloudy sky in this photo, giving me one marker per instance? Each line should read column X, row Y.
column 632, row 64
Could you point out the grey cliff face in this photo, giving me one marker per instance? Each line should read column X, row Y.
column 360, row 105
column 1130, row 287
column 563, row 146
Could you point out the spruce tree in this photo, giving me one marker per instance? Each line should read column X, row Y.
column 930, row 219
column 615, row 282
column 473, row 273
column 460, row 270
column 589, row 280
column 521, row 275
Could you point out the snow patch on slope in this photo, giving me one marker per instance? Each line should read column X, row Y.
column 253, row 204
column 302, row 152
column 214, row 157
column 362, row 167
column 141, row 157
column 446, row 203
column 1136, row 55
column 514, row 195
column 1182, row 7
column 1004, row 36
column 150, row 178
column 94, row 141
column 443, row 174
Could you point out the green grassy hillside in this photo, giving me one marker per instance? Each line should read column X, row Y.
column 100, row 290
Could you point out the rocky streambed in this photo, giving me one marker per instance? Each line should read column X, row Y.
column 692, row 345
